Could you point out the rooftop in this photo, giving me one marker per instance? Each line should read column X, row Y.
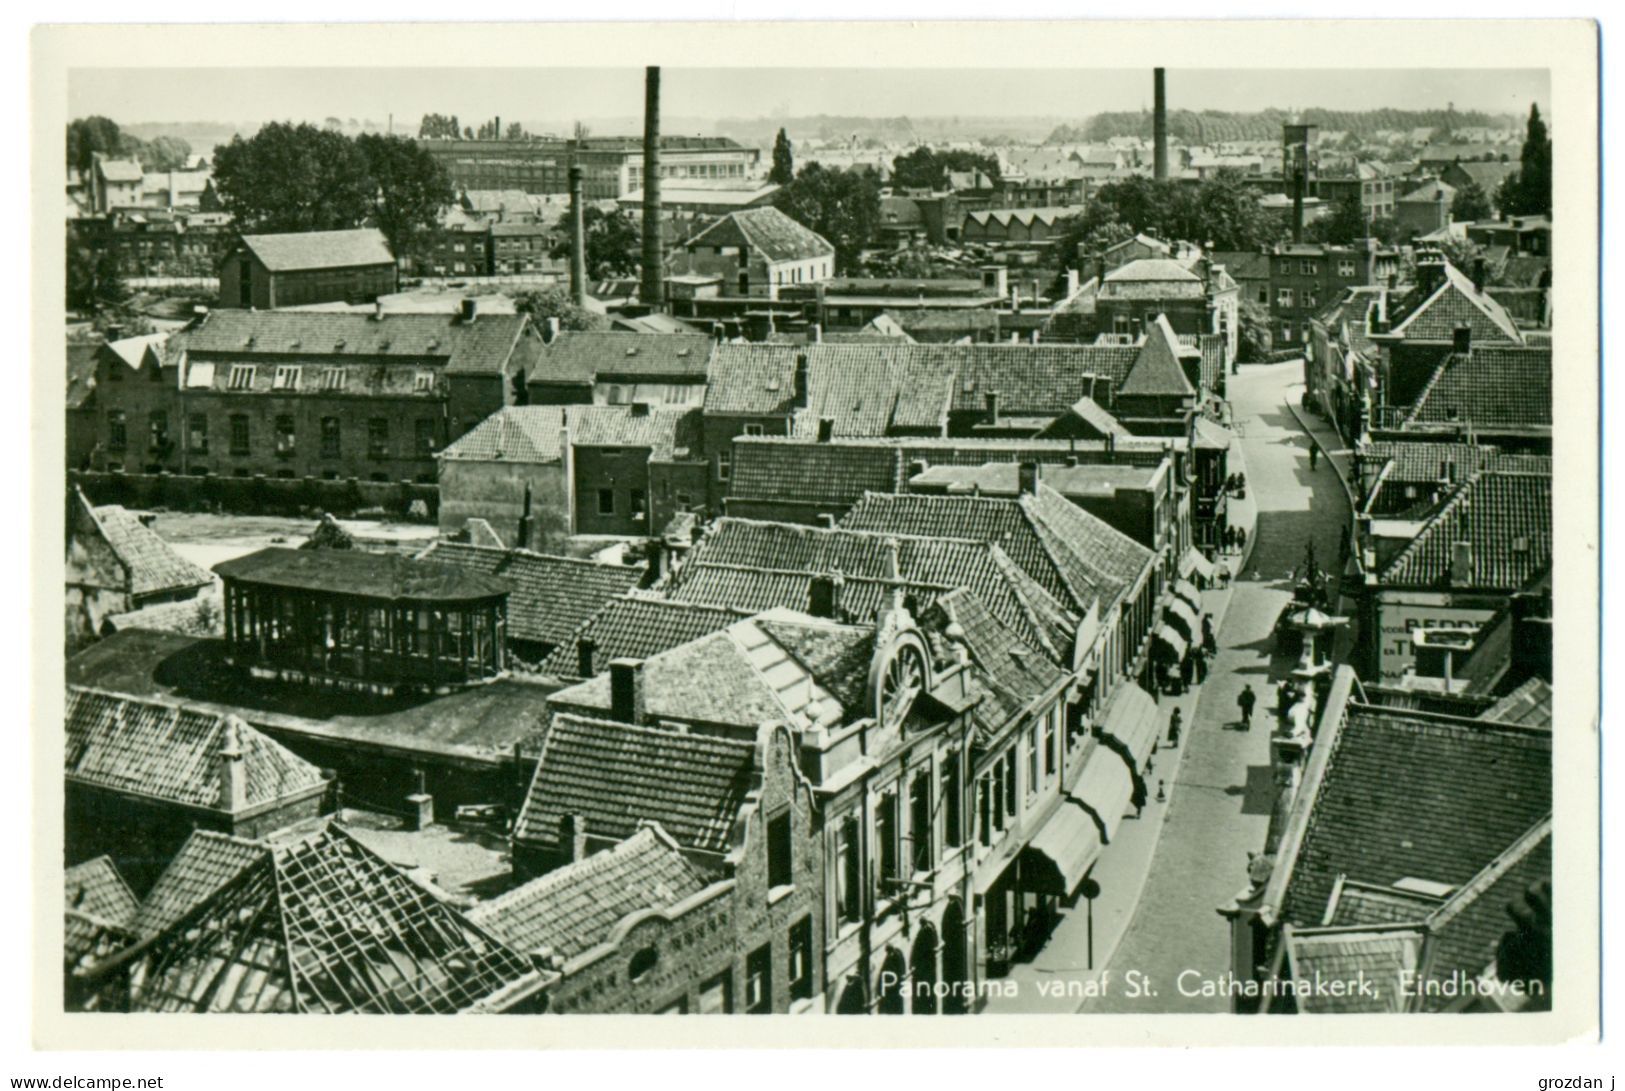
column 1488, row 387
column 320, row 249
column 580, row 356
column 767, row 231
column 534, row 433
column 1503, row 518
column 636, row 627
column 150, row 564
column 388, row 577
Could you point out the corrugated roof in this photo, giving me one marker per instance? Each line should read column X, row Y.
column 320, row 249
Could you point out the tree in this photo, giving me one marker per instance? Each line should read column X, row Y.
column 164, row 153
column 924, row 168
column 783, row 172
column 1253, row 332
column 1471, row 204
column 89, row 135
column 1388, row 230
column 554, row 302
column 410, row 187
column 1346, row 223
column 515, row 131
column 841, row 205
column 1222, row 210
column 95, row 282
column 294, row 178
column 1534, row 187
column 614, row 242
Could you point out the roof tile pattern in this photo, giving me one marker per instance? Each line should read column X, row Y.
column 616, row 776
column 1488, row 387
column 582, row 356
column 320, row 249
column 569, row 911
column 153, row 565
column 636, row 627
column 484, row 346
column 206, row 862
column 96, row 889
column 1506, row 519
column 172, row 752
column 551, row 596
column 1408, row 795
column 768, row 231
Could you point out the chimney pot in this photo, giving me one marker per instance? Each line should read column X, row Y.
column 233, row 776
column 1461, row 564
column 1027, row 478
column 993, row 407
column 586, row 648
column 573, row 837
column 626, row 690
column 469, row 309
column 826, row 429
column 1462, row 339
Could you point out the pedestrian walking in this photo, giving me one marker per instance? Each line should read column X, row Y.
column 1201, row 665
column 1245, row 702
column 1229, row 538
column 1187, row 667
column 1174, row 722
column 1314, row 454
column 1241, row 538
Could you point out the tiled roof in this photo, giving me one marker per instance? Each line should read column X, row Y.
column 1381, row 957
column 320, row 249
column 1505, row 517
column 1430, row 192
column 767, row 230
column 812, row 472
column 1092, row 413
column 581, row 356
column 391, row 577
column 1244, row 264
column 551, row 596
column 96, row 889
column 780, row 666
column 1411, row 795
column 1415, row 461
column 153, row 566
column 1530, row 704
column 88, row 940
column 484, row 346
column 1488, row 387
column 758, row 565
column 1362, row 904
column 531, row 433
column 750, row 380
column 616, row 776
column 636, row 627
column 1156, row 371
column 569, row 911
column 1434, row 316
column 171, row 752
column 205, row 863
column 120, row 170
column 1053, row 546
column 1009, row 674
column 325, row 925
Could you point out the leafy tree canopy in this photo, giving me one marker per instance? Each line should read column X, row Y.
column 554, row 302
column 926, row 168
column 411, row 187
column 87, row 136
column 784, row 167
column 614, row 242
column 841, row 205
column 1471, row 204
column 291, row 177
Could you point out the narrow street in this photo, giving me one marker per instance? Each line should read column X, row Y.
column 1168, row 871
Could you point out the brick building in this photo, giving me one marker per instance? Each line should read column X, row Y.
column 264, row 272
column 757, row 251
column 612, row 166
column 581, row 367
column 290, row 394
column 1305, row 277
column 1426, row 208
column 115, row 563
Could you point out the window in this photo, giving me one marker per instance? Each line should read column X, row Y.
column 780, row 864
column 848, row 873
column 639, row 506
column 725, row 460
column 1264, row 295
column 643, row 961
column 330, row 437
column 284, row 435
column 1051, row 749
column 716, row 995
column 886, row 832
column 197, row 431
column 116, row 437
column 378, row 437
column 984, row 811
column 1010, row 785
column 952, row 834
column 115, row 373
column 239, row 434
column 801, row 959
column 287, row 378
column 753, row 429
column 1286, row 331
column 242, row 377
column 1345, row 269
column 1308, row 268
column 158, row 429
column 606, row 501
column 1032, row 745
column 921, row 836
column 425, row 436
column 1283, row 297
column 759, row 980
column 423, row 382
column 333, row 379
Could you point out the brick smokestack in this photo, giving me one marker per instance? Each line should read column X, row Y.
column 578, row 240
column 654, row 272
column 1159, row 124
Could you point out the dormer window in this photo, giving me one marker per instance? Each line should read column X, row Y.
column 423, row 383
column 287, row 378
column 333, row 378
column 241, row 378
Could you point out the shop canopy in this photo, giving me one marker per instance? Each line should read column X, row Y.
column 1169, row 636
column 1131, row 719
column 1106, row 787
column 1194, row 563
column 1186, row 590
column 1308, row 617
column 1178, row 613
column 1062, row 852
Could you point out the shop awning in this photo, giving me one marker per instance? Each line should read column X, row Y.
column 1194, row 563
column 1131, row 719
column 1061, row 854
column 1105, row 788
column 1168, row 635
column 1186, row 590
column 1178, row 613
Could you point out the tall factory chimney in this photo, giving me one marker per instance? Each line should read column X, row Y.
column 578, row 240
column 654, row 264
column 1159, row 124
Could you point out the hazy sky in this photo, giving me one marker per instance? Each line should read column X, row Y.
column 560, row 95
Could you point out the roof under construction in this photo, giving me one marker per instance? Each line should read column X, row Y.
column 325, row 925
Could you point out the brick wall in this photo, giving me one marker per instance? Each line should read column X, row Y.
column 261, row 495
